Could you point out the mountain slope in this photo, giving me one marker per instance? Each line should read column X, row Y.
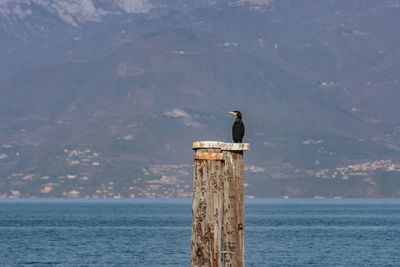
column 114, row 113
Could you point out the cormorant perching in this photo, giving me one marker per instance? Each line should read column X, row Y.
column 237, row 127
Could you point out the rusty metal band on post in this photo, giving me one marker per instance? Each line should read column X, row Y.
column 209, row 155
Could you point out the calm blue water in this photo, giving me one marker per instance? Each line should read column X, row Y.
column 157, row 232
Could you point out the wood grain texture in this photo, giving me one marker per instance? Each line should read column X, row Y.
column 217, row 207
column 207, row 210
column 233, row 209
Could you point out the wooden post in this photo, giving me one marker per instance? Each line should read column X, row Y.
column 233, row 209
column 218, row 204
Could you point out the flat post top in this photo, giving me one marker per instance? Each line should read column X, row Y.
column 221, row 145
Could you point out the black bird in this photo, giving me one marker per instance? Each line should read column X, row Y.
column 237, row 127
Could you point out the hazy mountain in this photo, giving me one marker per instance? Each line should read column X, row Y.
column 103, row 98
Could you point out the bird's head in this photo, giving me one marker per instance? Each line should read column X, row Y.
column 236, row 113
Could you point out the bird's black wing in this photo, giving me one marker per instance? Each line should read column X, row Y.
column 238, row 131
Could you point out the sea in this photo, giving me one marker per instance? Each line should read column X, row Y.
column 156, row 232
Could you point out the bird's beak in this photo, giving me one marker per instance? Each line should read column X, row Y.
column 234, row 113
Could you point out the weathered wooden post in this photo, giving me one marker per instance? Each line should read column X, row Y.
column 218, row 204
